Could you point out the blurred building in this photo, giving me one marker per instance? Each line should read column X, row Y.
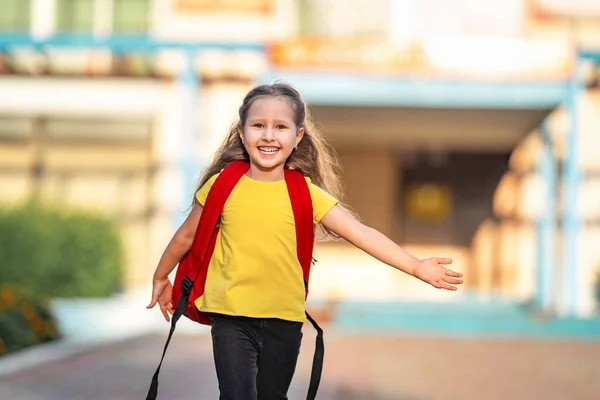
column 453, row 121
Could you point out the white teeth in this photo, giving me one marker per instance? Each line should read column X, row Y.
column 270, row 150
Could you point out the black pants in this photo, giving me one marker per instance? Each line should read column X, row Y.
column 255, row 358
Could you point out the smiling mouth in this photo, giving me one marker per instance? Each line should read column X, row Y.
column 268, row 150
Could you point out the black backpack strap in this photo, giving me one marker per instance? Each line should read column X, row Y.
column 317, row 366
column 179, row 310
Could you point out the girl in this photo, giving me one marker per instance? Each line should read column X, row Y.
column 254, row 288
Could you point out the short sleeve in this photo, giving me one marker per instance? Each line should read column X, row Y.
column 202, row 194
column 322, row 201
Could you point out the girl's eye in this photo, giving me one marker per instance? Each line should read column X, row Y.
column 257, row 125
column 281, row 127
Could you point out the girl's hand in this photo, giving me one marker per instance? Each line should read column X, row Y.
column 432, row 271
column 162, row 293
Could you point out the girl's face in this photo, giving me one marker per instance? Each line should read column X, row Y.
column 269, row 136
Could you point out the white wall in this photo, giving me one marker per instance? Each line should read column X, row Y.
column 414, row 19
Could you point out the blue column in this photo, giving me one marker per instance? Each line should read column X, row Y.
column 189, row 81
column 571, row 178
column 546, row 225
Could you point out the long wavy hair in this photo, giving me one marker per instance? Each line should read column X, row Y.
column 314, row 157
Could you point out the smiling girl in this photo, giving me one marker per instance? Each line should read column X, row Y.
column 254, row 289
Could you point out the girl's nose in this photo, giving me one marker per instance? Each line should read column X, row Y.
column 268, row 134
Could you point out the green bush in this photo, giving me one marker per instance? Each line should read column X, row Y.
column 24, row 320
column 50, row 252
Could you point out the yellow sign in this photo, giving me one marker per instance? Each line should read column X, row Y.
column 428, row 201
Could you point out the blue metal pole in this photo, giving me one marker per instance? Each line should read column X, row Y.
column 189, row 165
column 571, row 176
column 546, row 226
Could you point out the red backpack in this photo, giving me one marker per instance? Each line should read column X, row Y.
column 191, row 273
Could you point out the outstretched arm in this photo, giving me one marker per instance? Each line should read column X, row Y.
column 373, row 242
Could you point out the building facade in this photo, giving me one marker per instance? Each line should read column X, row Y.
column 432, row 106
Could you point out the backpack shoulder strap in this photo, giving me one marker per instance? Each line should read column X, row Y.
column 213, row 206
column 303, row 219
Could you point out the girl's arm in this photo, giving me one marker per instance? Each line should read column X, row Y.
column 373, row 242
column 162, row 290
column 179, row 244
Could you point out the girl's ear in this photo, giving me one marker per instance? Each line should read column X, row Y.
column 299, row 136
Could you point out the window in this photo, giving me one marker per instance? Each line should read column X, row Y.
column 343, row 18
column 130, row 16
column 308, row 23
column 14, row 15
column 75, row 15
column 15, row 128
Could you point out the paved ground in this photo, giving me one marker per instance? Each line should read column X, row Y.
column 357, row 367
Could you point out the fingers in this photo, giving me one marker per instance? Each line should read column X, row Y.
column 453, row 280
column 449, row 287
column 444, row 285
column 165, row 313
column 441, row 277
column 152, row 304
column 443, row 260
column 449, row 272
column 166, row 309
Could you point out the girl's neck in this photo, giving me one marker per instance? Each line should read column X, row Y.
column 257, row 174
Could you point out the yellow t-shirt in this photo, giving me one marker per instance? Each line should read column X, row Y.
column 254, row 270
